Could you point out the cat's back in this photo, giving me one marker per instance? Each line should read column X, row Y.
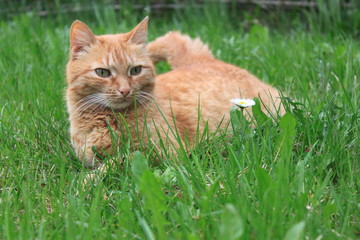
column 198, row 81
column 210, row 81
column 197, row 73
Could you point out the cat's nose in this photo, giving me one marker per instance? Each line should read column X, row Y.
column 124, row 91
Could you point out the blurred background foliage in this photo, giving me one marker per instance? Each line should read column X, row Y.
column 331, row 16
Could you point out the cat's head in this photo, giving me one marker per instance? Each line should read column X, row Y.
column 108, row 70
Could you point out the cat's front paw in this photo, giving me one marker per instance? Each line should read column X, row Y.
column 87, row 157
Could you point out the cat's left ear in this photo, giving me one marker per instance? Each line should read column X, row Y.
column 80, row 36
column 139, row 34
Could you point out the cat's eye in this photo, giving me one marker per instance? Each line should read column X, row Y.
column 102, row 72
column 135, row 70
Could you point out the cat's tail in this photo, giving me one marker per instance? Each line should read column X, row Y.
column 178, row 50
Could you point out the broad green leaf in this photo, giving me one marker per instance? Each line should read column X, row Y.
column 153, row 193
column 263, row 179
column 286, row 138
column 232, row 226
column 258, row 114
column 126, row 213
column 151, row 189
column 238, row 120
column 139, row 165
column 146, row 228
column 154, row 201
column 295, row 232
column 235, row 117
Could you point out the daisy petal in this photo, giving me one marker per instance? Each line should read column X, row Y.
column 243, row 103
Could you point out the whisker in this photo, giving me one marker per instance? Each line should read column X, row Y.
column 141, row 98
column 147, row 94
column 100, row 106
column 100, row 101
column 141, row 102
column 86, row 108
column 146, row 98
column 87, row 104
column 109, row 94
column 93, row 100
column 91, row 96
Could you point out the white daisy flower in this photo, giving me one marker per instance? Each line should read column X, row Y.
column 243, row 103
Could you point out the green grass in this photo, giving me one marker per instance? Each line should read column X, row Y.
column 294, row 178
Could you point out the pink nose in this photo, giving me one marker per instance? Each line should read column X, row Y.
column 124, row 91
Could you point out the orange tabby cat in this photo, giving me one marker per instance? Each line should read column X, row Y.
column 112, row 74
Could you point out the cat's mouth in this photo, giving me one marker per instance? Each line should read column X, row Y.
column 139, row 98
column 121, row 103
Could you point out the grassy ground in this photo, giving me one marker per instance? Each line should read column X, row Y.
column 295, row 178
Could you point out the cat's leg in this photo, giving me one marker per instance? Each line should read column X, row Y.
column 94, row 175
column 91, row 146
column 99, row 143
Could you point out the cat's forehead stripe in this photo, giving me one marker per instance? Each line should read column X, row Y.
column 128, row 59
column 104, row 61
column 111, row 60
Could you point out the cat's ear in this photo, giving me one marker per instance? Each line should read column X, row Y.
column 80, row 36
column 139, row 34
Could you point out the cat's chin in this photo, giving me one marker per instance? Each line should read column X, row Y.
column 120, row 105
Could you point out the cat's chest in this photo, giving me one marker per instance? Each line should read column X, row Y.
column 88, row 123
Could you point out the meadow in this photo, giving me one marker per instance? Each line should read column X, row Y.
column 290, row 177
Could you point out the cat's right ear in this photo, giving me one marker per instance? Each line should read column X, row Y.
column 80, row 36
column 139, row 34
